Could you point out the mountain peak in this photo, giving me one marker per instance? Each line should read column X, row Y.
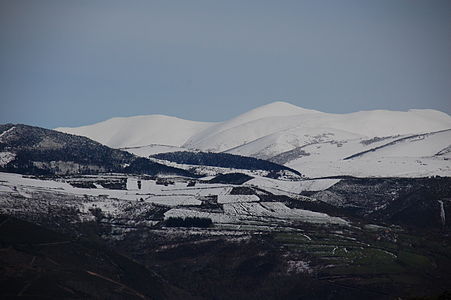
column 273, row 109
column 280, row 108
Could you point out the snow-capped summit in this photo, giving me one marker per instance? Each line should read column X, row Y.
column 139, row 131
column 275, row 109
column 295, row 123
column 282, row 132
column 125, row 132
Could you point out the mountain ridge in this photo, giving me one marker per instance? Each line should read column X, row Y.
column 34, row 150
column 271, row 130
column 273, row 110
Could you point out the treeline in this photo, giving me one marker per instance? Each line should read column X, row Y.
column 188, row 222
column 40, row 151
column 143, row 165
column 223, row 160
column 231, row 178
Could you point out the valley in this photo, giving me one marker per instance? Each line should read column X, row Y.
column 280, row 202
column 315, row 238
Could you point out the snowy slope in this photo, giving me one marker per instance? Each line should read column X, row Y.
column 404, row 156
column 365, row 124
column 146, row 151
column 18, row 193
column 280, row 125
column 290, row 139
column 383, row 167
column 263, row 115
column 422, row 145
column 286, row 134
column 139, row 131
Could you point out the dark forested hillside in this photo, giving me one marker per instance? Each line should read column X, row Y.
column 38, row 263
column 223, row 160
column 415, row 202
column 35, row 150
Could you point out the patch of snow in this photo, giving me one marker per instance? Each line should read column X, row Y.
column 251, row 212
column 6, row 158
column 442, row 212
column 132, row 184
column 173, row 200
column 380, row 167
column 6, row 132
column 314, row 185
column 154, row 193
column 277, row 187
column 298, row 266
column 146, row 151
column 424, row 145
column 291, row 188
column 237, row 198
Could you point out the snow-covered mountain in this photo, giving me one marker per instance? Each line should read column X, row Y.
column 298, row 137
column 140, row 131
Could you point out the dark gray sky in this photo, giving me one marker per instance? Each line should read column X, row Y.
column 76, row 62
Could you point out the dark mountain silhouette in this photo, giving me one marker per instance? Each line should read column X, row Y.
column 40, row 151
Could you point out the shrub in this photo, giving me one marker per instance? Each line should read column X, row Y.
column 188, row 222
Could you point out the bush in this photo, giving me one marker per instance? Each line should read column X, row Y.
column 189, row 222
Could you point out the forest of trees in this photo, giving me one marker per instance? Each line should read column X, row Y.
column 223, row 160
column 40, row 151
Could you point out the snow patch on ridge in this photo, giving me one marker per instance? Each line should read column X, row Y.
column 6, row 132
column 442, row 212
column 6, row 158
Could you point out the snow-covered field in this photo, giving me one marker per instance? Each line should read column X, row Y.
column 177, row 199
column 381, row 167
column 257, row 212
column 405, row 156
column 222, row 199
column 101, row 197
column 291, row 188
